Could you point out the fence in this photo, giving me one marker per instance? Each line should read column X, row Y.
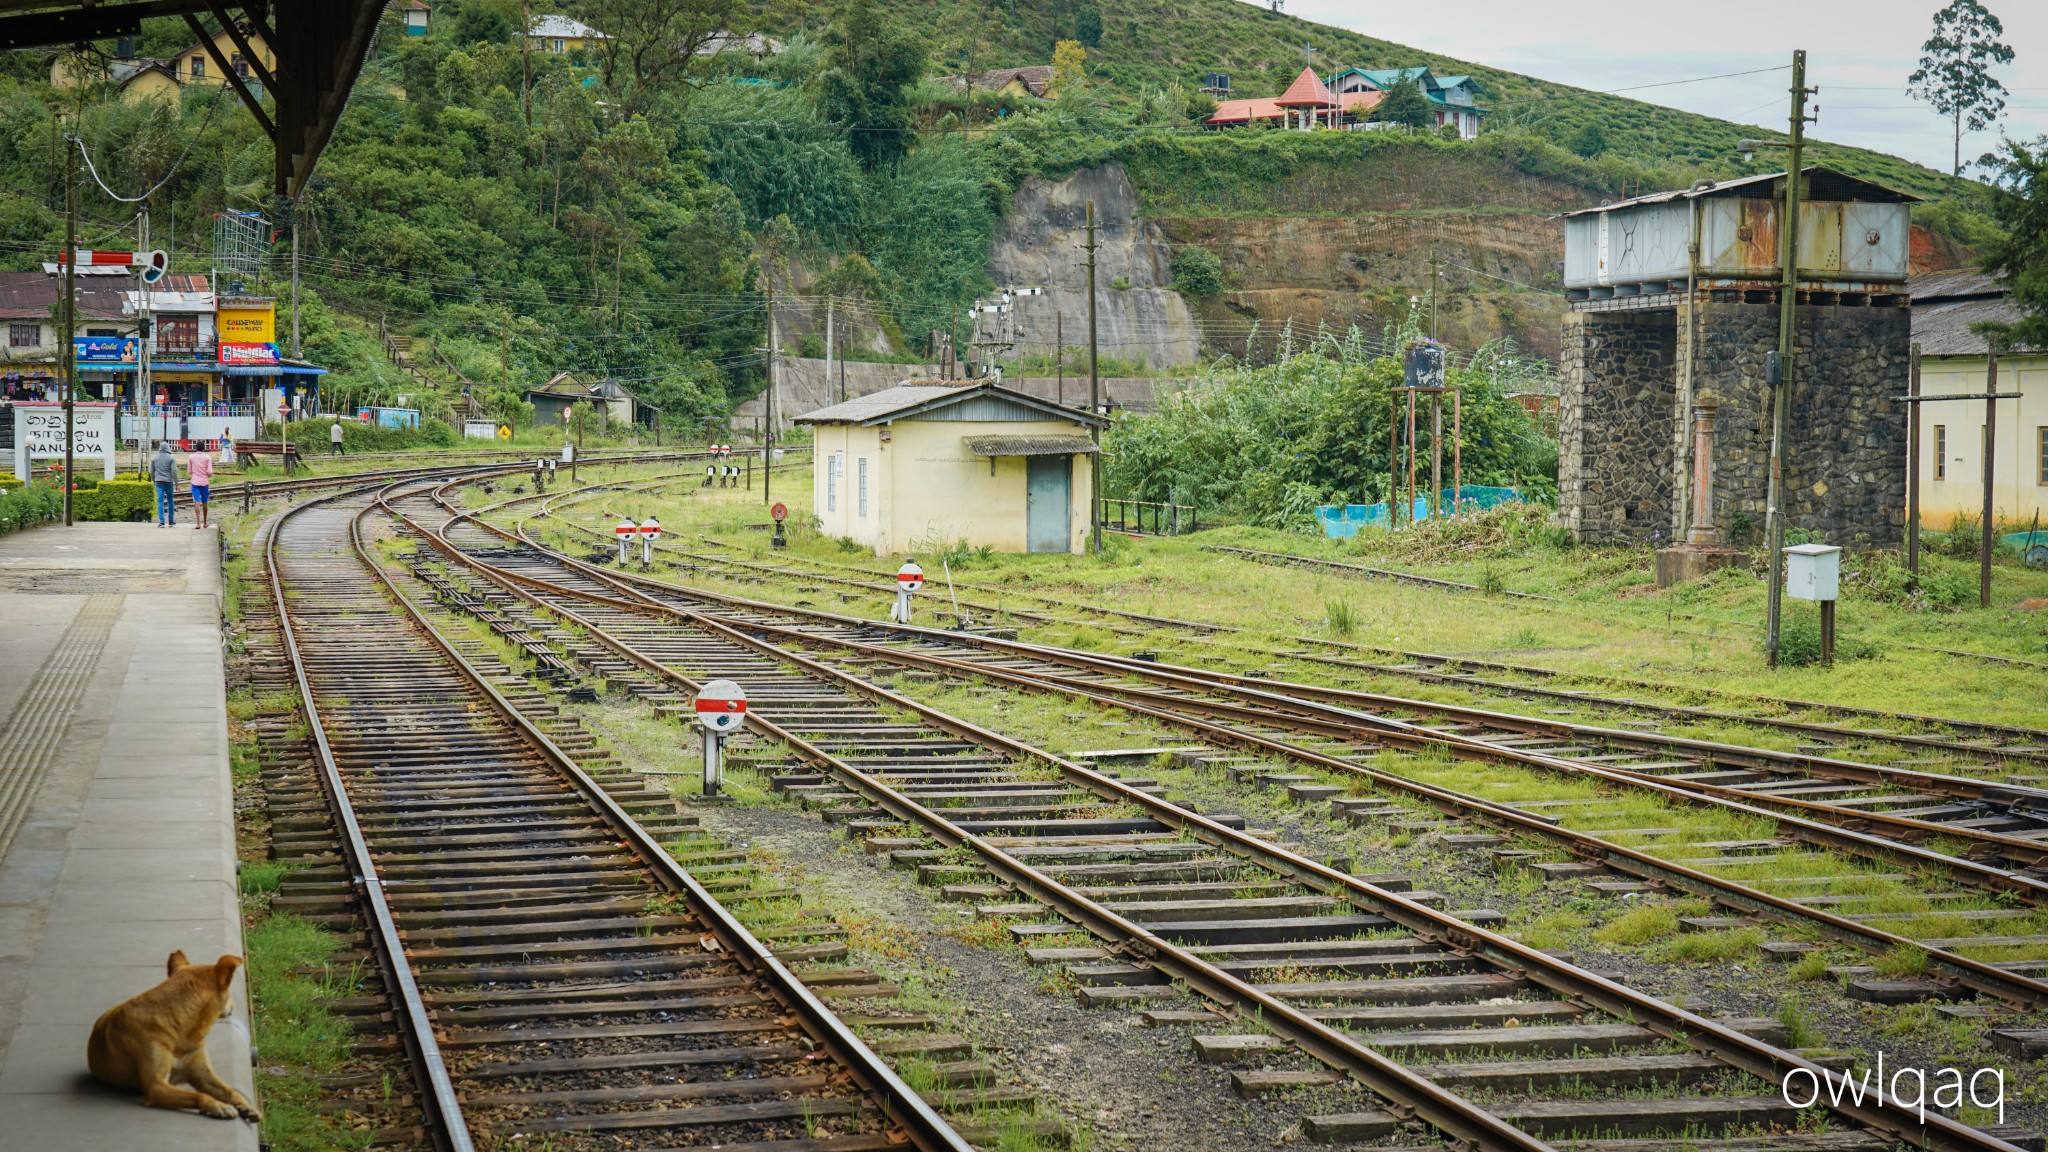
column 1131, row 515
column 1342, row 522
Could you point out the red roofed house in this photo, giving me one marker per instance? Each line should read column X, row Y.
column 1307, row 103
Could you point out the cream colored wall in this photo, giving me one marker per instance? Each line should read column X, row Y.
column 845, row 520
column 939, row 490
column 924, row 486
column 2017, row 492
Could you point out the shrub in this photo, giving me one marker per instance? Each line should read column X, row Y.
column 24, row 507
column 1197, row 272
column 1799, row 642
column 119, row 499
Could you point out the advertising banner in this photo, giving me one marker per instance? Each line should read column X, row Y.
column 248, row 354
column 104, row 349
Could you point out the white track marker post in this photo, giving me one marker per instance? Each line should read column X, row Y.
column 625, row 532
column 650, row 531
column 721, row 708
column 909, row 578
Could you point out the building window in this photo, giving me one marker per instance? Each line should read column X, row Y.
column 198, row 67
column 241, row 65
column 863, row 486
column 177, row 333
column 833, row 464
column 24, row 335
column 558, row 45
column 1941, row 451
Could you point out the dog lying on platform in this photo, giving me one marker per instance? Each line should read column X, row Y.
column 147, row 1043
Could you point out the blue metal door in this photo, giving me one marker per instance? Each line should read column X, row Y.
column 1047, row 503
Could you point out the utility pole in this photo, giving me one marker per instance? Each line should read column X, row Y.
column 830, row 308
column 147, row 336
column 1094, row 396
column 1990, row 540
column 1059, row 356
column 298, row 352
column 1913, row 469
column 1432, row 293
column 1788, row 318
column 526, row 61
column 70, row 379
column 768, row 404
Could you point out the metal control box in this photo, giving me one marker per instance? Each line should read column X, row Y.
column 1813, row 571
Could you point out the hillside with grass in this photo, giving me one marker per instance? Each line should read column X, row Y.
column 1138, row 47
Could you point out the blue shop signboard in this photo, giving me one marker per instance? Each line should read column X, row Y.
column 104, row 349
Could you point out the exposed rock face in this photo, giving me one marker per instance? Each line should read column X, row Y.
column 1622, row 461
column 1038, row 246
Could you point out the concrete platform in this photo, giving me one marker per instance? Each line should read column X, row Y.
column 117, row 839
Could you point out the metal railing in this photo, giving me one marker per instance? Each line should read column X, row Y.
column 1133, row 516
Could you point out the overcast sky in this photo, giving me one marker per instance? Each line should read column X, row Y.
column 1858, row 52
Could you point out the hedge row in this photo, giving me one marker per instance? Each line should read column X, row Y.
column 122, row 498
column 24, row 507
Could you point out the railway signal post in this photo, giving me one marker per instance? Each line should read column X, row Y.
column 909, row 579
column 625, row 532
column 721, row 708
column 650, row 531
column 779, row 513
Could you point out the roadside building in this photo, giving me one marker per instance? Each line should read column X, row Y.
column 952, row 461
column 141, row 78
column 1349, row 100
column 1453, row 100
column 1953, row 362
column 609, row 401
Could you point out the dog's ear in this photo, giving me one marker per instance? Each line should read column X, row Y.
column 176, row 962
column 224, row 971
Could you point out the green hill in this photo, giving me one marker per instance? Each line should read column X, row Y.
column 1147, row 44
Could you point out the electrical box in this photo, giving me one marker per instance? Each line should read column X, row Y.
column 1813, row 571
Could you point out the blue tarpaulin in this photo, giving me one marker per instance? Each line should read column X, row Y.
column 1342, row 523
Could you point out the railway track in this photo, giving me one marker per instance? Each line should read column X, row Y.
column 1883, row 910
column 555, row 974
column 1824, row 731
column 1344, row 969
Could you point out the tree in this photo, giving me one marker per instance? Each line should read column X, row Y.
column 1404, row 103
column 2020, row 205
column 870, row 60
column 1069, row 64
column 1589, row 141
column 650, row 44
column 1088, row 25
column 1197, row 272
column 1954, row 76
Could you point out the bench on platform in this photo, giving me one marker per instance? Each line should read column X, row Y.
column 283, row 449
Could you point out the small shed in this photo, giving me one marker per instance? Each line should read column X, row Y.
column 946, row 461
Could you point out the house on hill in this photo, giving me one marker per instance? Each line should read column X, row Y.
column 561, row 34
column 935, row 461
column 1452, row 98
column 1307, row 103
column 141, row 78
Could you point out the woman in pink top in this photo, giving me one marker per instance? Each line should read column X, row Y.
column 200, row 466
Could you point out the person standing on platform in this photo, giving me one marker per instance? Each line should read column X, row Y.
column 199, row 466
column 334, row 437
column 163, row 472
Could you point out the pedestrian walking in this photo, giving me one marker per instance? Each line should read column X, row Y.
column 199, row 466
column 334, row 437
column 163, row 472
column 227, row 449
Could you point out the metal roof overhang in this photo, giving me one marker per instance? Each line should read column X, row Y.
column 1030, row 445
column 319, row 45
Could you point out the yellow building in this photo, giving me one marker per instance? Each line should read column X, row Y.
column 561, row 34
column 927, row 464
column 1953, row 363
column 144, row 78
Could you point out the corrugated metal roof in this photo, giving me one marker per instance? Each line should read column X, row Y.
column 1946, row 304
column 1823, row 184
column 913, row 398
column 1030, row 445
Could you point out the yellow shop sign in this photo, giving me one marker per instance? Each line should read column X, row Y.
column 247, row 325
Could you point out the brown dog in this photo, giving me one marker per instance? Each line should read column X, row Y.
column 146, row 1043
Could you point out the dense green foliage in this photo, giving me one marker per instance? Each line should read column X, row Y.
column 1197, row 272
column 1266, row 445
column 2020, row 256
column 24, row 506
column 117, row 499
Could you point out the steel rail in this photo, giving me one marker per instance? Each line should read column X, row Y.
column 1905, row 828
column 436, row 1085
column 923, row 1126
column 1934, row 743
column 1963, row 971
column 1734, row 1048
